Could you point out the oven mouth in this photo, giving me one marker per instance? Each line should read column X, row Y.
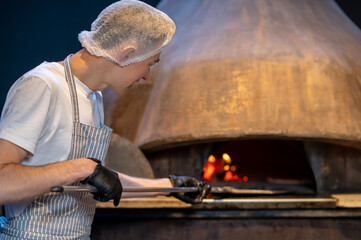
column 258, row 167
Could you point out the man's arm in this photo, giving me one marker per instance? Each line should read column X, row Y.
column 172, row 181
column 129, row 181
column 20, row 183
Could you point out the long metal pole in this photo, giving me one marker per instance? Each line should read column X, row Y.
column 61, row 189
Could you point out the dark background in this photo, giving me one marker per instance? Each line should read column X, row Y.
column 37, row 31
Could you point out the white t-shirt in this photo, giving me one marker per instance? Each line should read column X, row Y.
column 37, row 115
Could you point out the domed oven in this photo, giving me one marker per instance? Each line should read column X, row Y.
column 260, row 98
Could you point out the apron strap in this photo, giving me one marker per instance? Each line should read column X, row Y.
column 73, row 96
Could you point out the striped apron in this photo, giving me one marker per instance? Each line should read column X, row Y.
column 67, row 215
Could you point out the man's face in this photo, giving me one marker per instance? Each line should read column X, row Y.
column 122, row 78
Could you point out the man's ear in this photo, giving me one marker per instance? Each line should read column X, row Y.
column 126, row 53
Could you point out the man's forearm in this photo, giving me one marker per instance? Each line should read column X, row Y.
column 19, row 183
column 129, row 181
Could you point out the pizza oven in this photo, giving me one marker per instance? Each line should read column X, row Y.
column 262, row 100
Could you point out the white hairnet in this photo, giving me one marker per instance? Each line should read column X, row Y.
column 128, row 23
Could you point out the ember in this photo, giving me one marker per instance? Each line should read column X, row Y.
column 218, row 169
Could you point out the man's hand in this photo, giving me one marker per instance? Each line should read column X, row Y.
column 107, row 182
column 191, row 197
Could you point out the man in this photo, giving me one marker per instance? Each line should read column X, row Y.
column 52, row 131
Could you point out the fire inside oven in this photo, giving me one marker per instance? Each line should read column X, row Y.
column 269, row 166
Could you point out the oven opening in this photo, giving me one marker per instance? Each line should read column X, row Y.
column 259, row 167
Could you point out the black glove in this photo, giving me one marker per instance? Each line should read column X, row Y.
column 190, row 197
column 107, row 182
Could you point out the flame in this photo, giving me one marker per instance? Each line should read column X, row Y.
column 218, row 168
column 208, row 171
column 226, row 158
column 228, row 176
column 211, row 158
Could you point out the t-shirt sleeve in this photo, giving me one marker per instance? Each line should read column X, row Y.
column 25, row 112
